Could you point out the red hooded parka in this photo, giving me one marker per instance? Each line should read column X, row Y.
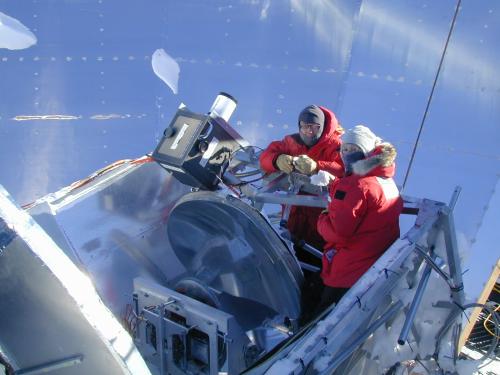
column 326, row 153
column 362, row 219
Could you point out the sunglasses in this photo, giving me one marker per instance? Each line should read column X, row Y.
column 311, row 127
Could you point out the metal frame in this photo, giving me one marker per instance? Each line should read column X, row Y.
column 156, row 305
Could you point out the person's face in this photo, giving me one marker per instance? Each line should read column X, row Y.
column 350, row 153
column 309, row 129
column 349, row 148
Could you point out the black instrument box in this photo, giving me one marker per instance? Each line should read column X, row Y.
column 196, row 149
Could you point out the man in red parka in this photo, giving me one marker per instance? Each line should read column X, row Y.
column 315, row 147
column 363, row 214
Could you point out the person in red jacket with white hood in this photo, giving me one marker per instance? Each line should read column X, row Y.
column 362, row 219
column 315, row 147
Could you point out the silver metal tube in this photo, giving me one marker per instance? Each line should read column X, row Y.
column 292, row 199
column 450, row 240
column 309, row 267
column 434, row 265
column 410, row 317
column 223, row 106
column 310, row 249
column 454, row 197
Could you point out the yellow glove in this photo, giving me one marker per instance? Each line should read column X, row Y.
column 284, row 163
column 305, row 164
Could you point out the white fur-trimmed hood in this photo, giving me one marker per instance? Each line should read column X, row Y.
column 383, row 156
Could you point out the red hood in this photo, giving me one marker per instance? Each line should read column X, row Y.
column 380, row 162
column 331, row 130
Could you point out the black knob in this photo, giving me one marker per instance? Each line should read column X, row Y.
column 168, row 132
column 203, row 146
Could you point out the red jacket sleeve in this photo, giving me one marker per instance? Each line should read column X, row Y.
column 270, row 154
column 345, row 212
column 335, row 167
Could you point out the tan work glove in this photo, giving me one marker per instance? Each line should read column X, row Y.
column 284, row 163
column 304, row 164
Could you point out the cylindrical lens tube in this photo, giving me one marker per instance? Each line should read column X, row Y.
column 224, row 106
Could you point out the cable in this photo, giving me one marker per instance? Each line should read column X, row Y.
column 488, row 319
column 431, row 95
column 495, row 339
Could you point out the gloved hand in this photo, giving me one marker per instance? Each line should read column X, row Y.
column 284, row 163
column 305, row 164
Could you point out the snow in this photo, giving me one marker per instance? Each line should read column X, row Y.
column 322, row 178
column 166, row 68
column 14, row 35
